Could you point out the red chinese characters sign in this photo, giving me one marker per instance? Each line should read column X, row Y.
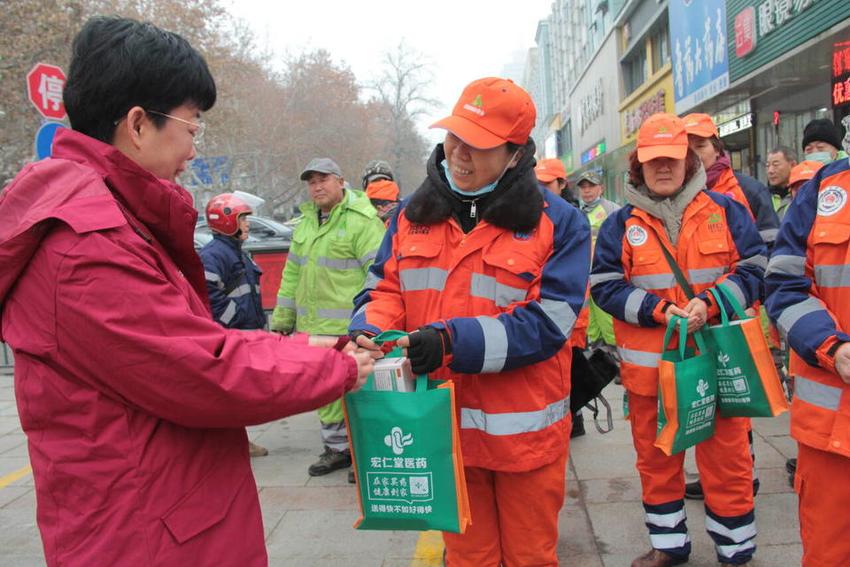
column 745, row 32
column 840, row 74
column 44, row 88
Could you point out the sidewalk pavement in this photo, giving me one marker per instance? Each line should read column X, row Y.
column 308, row 519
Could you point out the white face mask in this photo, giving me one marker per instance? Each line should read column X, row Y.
column 823, row 157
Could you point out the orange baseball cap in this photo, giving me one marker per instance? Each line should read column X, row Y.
column 804, row 171
column 491, row 112
column 550, row 169
column 662, row 135
column 383, row 189
column 700, row 125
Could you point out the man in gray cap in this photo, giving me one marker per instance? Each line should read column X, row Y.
column 590, row 193
column 332, row 249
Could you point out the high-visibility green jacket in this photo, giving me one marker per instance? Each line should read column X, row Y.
column 600, row 326
column 327, row 266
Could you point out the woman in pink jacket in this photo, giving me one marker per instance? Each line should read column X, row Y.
column 133, row 399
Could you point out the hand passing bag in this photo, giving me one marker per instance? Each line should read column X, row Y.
column 405, row 449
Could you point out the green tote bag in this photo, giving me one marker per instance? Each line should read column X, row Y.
column 747, row 381
column 687, row 392
column 405, row 449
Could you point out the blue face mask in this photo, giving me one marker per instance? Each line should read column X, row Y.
column 478, row 192
column 823, row 157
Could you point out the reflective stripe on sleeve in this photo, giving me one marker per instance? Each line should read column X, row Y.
column 633, row 303
column 514, row 423
column 654, row 281
column 786, row 265
column 243, row 289
column 736, row 291
column 790, row 315
column 705, row 275
column 368, row 257
column 769, row 234
column 759, row 261
column 605, row 277
column 817, row 394
column 212, row 277
column 495, row 344
column 229, row 313
column 420, row 279
column 285, row 302
column 334, row 313
column 832, row 275
column 296, row 259
column 639, row 357
column 560, row 313
column 372, row 280
column 488, row 288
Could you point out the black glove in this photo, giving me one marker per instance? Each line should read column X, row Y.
column 428, row 346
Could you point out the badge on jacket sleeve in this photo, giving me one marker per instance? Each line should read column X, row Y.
column 831, row 200
column 636, row 235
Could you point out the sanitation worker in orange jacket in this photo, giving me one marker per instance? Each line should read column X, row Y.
column 487, row 270
column 809, row 299
column 712, row 239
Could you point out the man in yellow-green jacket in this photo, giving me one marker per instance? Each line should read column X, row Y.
column 597, row 208
column 332, row 249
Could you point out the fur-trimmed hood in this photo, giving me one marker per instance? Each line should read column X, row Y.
column 515, row 204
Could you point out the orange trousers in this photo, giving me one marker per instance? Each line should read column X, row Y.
column 514, row 518
column 823, row 484
column 724, row 462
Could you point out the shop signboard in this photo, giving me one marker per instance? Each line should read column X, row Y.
column 763, row 30
column 593, row 153
column 841, row 74
column 698, row 41
column 648, row 100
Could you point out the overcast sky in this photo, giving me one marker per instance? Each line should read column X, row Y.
column 463, row 39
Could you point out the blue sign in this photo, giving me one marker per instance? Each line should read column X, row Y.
column 698, row 44
column 211, row 170
column 44, row 139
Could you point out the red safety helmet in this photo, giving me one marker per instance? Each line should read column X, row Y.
column 223, row 213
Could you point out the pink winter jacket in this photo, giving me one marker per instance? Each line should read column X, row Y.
column 133, row 400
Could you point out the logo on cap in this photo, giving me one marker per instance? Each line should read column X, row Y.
column 476, row 107
column 636, row 235
column 663, row 132
column 831, row 200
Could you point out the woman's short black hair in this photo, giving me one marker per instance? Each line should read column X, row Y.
column 119, row 63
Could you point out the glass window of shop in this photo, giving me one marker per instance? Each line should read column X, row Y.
column 634, row 71
column 660, row 45
column 789, row 132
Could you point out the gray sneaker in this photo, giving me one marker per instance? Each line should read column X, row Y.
column 329, row 461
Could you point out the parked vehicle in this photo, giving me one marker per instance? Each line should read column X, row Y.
column 266, row 234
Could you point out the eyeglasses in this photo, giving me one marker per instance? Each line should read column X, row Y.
column 197, row 133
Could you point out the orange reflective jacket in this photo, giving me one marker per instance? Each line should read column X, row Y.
column 808, row 280
column 727, row 184
column 632, row 280
column 509, row 301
